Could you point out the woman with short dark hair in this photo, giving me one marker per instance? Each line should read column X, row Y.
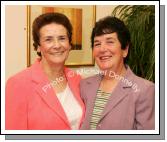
column 117, row 99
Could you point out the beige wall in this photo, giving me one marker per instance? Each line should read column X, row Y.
column 15, row 36
column 104, row 10
column 15, row 40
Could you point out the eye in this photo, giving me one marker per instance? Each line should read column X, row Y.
column 62, row 38
column 48, row 39
column 110, row 42
column 96, row 44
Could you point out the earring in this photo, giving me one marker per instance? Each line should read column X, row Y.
column 124, row 56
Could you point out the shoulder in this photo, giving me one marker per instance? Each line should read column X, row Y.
column 19, row 78
column 91, row 79
column 88, row 84
column 143, row 84
column 18, row 86
column 140, row 85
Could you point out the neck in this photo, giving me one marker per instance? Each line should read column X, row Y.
column 110, row 79
column 52, row 70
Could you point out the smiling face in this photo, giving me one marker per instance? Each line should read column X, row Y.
column 108, row 53
column 54, row 43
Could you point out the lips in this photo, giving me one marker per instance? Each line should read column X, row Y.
column 57, row 53
column 105, row 58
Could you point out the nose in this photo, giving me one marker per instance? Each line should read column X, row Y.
column 103, row 48
column 56, row 44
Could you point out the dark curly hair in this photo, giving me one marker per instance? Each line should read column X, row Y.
column 109, row 25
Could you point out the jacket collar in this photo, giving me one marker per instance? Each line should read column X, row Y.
column 125, row 81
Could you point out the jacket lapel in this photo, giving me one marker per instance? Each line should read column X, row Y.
column 44, row 89
column 116, row 97
column 119, row 93
column 52, row 101
column 92, row 86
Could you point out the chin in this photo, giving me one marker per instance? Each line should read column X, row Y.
column 105, row 66
column 57, row 61
column 105, row 69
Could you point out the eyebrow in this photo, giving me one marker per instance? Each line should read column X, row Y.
column 47, row 36
column 62, row 36
column 108, row 38
column 96, row 40
column 53, row 36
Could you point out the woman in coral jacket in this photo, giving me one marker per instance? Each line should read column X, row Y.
column 46, row 96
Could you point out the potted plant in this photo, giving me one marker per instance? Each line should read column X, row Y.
column 140, row 20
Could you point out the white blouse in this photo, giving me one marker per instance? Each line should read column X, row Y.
column 71, row 107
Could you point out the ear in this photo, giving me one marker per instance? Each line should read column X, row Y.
column 125, row 51
column 70, row 47
column 38, row 49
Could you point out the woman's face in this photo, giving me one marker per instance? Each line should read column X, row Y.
column 54, row 43
column 108, row 53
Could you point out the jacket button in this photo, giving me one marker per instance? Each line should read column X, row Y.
column 99, row 125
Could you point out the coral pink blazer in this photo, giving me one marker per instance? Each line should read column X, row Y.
column 29, row 105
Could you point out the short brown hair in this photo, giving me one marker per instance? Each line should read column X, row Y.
column 46, row 19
